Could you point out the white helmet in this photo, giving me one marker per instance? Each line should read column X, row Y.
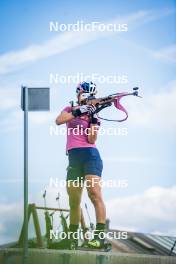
column 86, row 87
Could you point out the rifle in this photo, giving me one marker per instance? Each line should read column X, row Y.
column 115, row 98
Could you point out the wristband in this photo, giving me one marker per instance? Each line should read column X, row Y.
column 94, row 121
column 76, row 112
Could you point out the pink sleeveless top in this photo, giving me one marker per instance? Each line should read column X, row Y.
column 76, row 132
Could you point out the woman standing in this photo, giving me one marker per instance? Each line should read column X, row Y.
column 84, row 159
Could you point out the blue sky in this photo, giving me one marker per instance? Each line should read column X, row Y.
column 29, row 52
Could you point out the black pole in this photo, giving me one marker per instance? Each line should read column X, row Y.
column 25, row 246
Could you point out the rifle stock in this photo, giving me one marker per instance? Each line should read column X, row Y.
column 101, row 101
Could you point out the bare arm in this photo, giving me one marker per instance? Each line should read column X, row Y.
column 63, row 118
column 92, row 136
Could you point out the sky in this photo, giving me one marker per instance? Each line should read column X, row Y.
column 144, row 56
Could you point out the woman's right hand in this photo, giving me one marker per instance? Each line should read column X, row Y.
column 84, row 109
column 65, row 117
column 89, row 109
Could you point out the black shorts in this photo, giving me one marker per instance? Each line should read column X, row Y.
column 83, row 161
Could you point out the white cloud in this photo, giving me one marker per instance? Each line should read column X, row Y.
column 126, row 159
column 153, row 211
column 43, row 118
column 155, row 111
column 14, row 60
column 11, row 121
column 10, row 222
column 9, row 98
column 167, row 54
column 7, row 103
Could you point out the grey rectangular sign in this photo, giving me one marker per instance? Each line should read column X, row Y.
column 38, row 99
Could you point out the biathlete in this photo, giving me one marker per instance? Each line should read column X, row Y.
column 85, row 162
